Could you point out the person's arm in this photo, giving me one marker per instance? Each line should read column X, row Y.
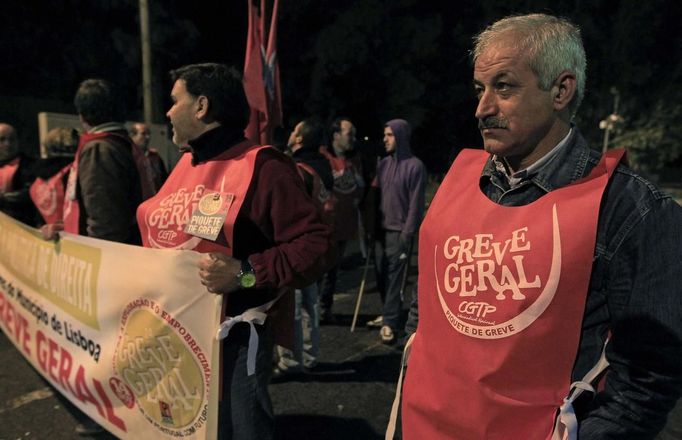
column 415, row 211
column 304, row 247
column 107, row 189
column 644, row 297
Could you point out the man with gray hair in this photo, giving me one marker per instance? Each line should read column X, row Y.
column 549, row 294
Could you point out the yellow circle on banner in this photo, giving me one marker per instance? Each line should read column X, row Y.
column 210, row 203
column 162, row 373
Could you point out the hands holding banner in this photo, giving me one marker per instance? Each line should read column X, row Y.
column 218, row 272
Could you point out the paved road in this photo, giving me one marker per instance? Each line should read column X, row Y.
column 348, row 395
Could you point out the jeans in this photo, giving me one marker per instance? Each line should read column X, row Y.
column 245, row 411
column 303, row 354
column 389, row 273
column 328, row 282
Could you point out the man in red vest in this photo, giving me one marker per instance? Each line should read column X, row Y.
column 549, row 294
column 141, row 135
column 266, row 234
column 15, row 177
column 347, row 192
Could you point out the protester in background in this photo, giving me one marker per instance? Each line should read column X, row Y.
column 401, row 179
column 141, row 135
column 105, row 185
column 304, row 143
column 271, row 237
column 106, row 182
column 532, row 256
column 15, row 177
column 304, row 139
column 48, row 189
column 347, row 192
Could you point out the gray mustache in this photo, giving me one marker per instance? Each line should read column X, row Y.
column 492, row 122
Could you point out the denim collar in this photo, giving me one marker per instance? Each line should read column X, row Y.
column 569, row 165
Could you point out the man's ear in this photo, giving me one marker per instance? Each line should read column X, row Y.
column 202, row 107
column 564, row 90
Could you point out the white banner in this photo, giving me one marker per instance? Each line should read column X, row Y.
column 126, row 333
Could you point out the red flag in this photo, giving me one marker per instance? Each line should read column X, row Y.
column 261, row 75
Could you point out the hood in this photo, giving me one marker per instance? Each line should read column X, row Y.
column 402, row 132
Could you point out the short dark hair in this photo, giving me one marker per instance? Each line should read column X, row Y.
column 335, row 126
column 97, row 102
column 311, row 132
column 223, row 87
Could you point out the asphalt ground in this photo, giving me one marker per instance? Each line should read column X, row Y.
column 347, row 395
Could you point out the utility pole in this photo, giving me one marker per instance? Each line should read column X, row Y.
column 146, row 63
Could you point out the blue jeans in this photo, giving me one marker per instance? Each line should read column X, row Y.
column 304, row 354
column 245, row 411
column 389, row 274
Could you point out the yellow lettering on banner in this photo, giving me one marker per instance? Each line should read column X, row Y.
column 64, row 273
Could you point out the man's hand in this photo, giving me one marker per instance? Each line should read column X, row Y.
column 50, row 231
column 218, row 272
column 404, row 241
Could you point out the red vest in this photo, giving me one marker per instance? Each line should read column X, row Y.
column 162, row 218
column 319, row 193
column 71, row 204
column 502, row 295
column 48, row 196
column 7, row 173
column 346, row 194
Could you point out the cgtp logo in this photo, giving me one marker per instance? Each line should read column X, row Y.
column 167, row 235
column 478, row 309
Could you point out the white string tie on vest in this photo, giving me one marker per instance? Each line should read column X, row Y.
column 250, row 316
column 566, row 425
column 255, row 315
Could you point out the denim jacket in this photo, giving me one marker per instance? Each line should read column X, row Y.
column 635, row 294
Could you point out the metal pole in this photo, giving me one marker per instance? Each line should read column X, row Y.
column 146, row 62
column 362, row 289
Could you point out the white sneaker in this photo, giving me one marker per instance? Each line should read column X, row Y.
column 376, row 322
column 387, row 335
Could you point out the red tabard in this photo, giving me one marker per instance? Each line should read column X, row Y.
column 48, row 196
column 319, row 193
column 162, row 218
column 7, row 173
column 502, row 294
column 346, row 174
column 71, row 205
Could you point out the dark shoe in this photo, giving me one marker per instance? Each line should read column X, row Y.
column 327, row 318
column 377, row 322
column 88, row 428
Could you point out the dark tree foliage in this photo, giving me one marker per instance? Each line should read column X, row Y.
column 372, row 60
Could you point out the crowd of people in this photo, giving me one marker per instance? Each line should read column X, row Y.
column 548, row 297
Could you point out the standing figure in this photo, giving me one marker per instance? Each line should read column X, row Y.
column 549, row 276
column 52, row 172
column 16, row 175
column 106, row 182
column 267, row 235
column 347, row 192
column 303, row 144
column 141, row 135
column 401, row 179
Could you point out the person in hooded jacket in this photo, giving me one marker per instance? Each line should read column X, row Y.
column 401, row 179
